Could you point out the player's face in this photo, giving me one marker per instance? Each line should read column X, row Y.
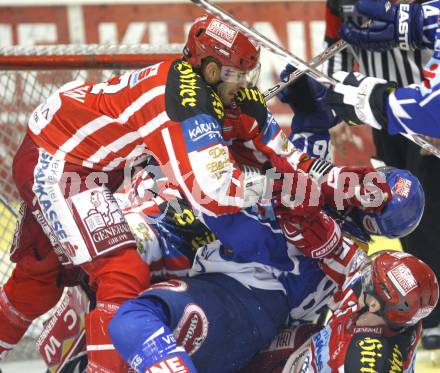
column 227, row 91
column 372, row 303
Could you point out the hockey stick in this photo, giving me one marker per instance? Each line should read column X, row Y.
column 329, row 52
column 266, row 43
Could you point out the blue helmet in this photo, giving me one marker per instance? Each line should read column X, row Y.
column 399, row 217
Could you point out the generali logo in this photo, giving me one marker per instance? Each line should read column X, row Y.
column 105, row 221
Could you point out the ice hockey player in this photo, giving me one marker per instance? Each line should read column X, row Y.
column 310, row 133
column 72, row 159
column 375, row 325
column 359, row 99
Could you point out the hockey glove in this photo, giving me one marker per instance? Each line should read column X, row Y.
column 311, row 231
column 342, row 187
column 306, row 97
column 362, row 187
column 391, row 25
column 246, row 117
column 359, row 99
column 345, row 262
column 237, row 125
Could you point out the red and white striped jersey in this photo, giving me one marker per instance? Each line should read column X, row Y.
column 164, row 110
column 103, row 126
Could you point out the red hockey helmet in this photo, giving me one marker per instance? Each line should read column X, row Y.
column 406, row 287
column 210, row 36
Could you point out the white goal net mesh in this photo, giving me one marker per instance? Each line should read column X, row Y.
column 27, row 77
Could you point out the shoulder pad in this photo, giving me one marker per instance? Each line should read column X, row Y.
column 252, row 103
column 187, row 94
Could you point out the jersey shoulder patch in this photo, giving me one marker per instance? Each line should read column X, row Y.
column 187, row 94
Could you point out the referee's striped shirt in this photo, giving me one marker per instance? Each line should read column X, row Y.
column 403, row 67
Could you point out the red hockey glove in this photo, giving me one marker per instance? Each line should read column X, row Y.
column 296, row 191
column 237, row 125
column 312, row 232
column 342, row 187
column 362, row 187
column 344, row 262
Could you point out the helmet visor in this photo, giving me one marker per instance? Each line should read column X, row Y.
column 245, row 78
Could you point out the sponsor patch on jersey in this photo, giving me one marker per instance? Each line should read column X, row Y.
column 402, row 278
column 139, row 75
column 173, row 285
column 370, row 224
column 222, row 32
column 65, row 327
column 172, row 365
column 321, row 347
column 101, row 221
column 192, row 329
column 402, row 187
column 365, row 329
column 365, row 354
column 201, row 131
column 188, row 84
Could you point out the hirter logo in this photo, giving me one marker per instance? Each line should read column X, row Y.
column 171, row 365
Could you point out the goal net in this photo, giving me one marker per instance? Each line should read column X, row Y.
column 28, row 75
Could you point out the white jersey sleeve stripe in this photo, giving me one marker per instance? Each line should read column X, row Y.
column 6, row 345
column 140, row 102
column 81, row 134
column 153, row 124
column 137, row 151
column 114, row 146
column 104, row 120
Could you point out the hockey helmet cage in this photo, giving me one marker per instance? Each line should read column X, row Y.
column 406, row 287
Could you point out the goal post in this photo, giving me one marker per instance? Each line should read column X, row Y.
column 28, row 75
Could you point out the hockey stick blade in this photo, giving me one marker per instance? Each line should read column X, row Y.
column 268, row 44
column 423, row 142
